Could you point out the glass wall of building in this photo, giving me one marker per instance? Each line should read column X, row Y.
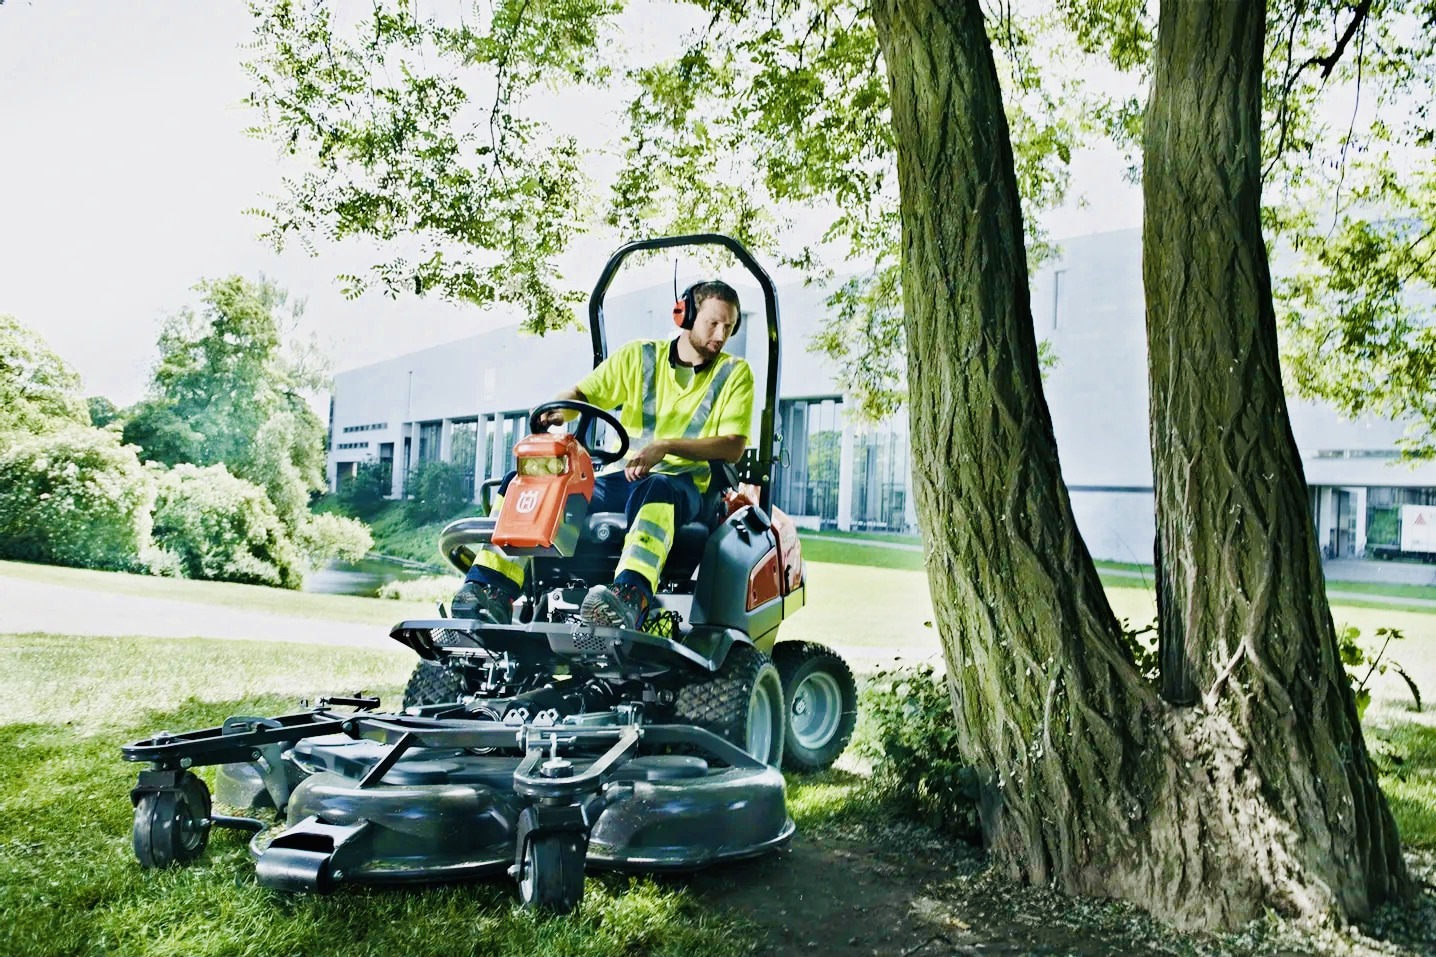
column 810, row 464
column 511, row 427
column 880, row 474
column 1383, row 512
column 464, row 449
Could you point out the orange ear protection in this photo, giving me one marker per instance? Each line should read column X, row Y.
column 685, row 310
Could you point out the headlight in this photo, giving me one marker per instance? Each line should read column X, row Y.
column 543, row 465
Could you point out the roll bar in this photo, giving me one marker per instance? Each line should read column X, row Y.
column 767, row 440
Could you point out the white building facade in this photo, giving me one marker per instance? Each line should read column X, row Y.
column 467, row 402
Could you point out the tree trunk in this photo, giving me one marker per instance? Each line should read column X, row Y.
column 1241, row 592
column 1095, row 784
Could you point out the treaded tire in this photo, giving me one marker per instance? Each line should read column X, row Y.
column 432, row 684
column 822, row 704
column 743, row 703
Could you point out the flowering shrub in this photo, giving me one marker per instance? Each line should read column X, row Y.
column 328, row 536
column 223, row 528
column 74, row 497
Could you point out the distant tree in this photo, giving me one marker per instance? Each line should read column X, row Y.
column 102, row 411
column 228, row 390
column 39, row 392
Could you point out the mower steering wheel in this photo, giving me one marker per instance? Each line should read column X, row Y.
column 588, row 416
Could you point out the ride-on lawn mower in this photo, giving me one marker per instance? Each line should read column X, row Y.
column 547, row 745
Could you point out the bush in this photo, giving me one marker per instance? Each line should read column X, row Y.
column 432, row 589
column 328, row 537
column 363, row 495
column 223, row 528
column 74, row 497
column 911, row 738
column 435, row 492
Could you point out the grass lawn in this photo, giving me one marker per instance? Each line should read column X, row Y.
column 256, row 598
column 69, row 883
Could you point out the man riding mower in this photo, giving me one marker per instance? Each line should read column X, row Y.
column 558, row 722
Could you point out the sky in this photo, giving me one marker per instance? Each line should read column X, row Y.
column 125, row 171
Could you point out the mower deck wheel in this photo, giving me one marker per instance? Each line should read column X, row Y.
column 822, row 704
column 432, row 684
column 172, row 825
column 552, row 878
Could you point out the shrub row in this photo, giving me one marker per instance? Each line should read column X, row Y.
column 79, row 497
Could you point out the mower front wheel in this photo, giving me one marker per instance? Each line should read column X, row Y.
column 822, row 704
column 743, row 702
column 552, row 878
column 172, row 825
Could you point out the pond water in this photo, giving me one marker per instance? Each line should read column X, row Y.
column 360, row 578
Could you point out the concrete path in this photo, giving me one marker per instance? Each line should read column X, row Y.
column 27, row 606
column 59, row 609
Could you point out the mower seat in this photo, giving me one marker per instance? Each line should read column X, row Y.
column 603, row 532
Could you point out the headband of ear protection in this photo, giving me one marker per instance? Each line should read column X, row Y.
column 685, row 310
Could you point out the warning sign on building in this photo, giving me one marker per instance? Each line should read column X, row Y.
column 1418, row 528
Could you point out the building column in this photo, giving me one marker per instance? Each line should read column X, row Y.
column 1358, row 506
column 446, row 439
column 1325, row 517
column 481, row 459
column 845, row 476
column 496, row 460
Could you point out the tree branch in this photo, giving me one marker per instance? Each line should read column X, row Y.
column 1328, row 63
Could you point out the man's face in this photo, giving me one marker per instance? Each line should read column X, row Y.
column 712, row 327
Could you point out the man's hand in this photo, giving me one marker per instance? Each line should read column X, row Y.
column 642, row 462
column 555, row 417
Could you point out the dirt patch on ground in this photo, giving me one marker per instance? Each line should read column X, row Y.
column 902, row 891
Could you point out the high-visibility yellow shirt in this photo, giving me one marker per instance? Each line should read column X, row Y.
column 658, row 399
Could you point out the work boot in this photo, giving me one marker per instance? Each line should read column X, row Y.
column 617, row 605
column 483, row 602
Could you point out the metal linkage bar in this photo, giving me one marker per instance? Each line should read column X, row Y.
column 222, row 746
column 541, row 786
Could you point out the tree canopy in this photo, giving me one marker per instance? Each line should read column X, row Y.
column 39, row 392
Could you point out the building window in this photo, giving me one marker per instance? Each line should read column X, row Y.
column 511, row 427
column 880, row 476
column 463, row 449
column 1383, row 512
column 352, row 445
column 429, row 433
column 811, row 462
column 1057, row 275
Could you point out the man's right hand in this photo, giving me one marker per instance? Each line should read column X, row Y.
column 554, row 417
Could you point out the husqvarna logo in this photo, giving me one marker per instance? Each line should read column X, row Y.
column 528, row 500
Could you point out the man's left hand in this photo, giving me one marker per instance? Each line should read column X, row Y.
column 642, row 462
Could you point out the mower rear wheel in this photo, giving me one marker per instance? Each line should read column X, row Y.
column 552, row 878
column 432, row 684
column 172, row 825
column 822, row 701
column 743, row 702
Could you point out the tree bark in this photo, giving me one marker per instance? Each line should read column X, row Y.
column 1095, row 784
column 1241, row 591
